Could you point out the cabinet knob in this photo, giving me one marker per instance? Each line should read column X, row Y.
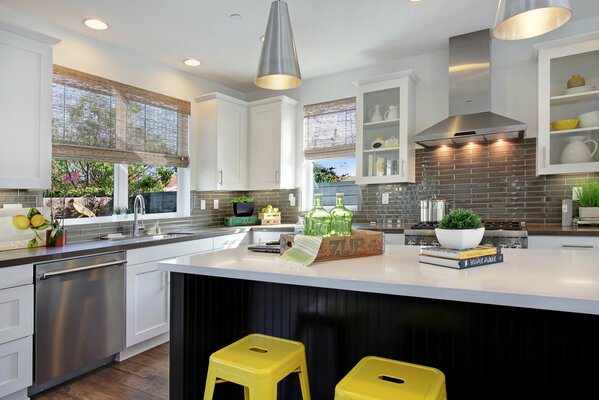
column 277, row 176
column 220, row 177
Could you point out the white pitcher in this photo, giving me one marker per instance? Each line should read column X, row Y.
column 576, row 151
column 375, row 113
column 392, row 113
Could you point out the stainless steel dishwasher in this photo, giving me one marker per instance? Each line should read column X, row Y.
column 79, row 316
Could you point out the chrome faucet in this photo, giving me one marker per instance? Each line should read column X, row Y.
column 139, row 205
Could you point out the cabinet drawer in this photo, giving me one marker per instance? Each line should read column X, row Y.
column 16, row 276
column 230, row 241
column 16, row 365
column 564, row 242
column 16, row 313
column 166, row 251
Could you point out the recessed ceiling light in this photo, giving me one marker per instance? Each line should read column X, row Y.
column 96, row 24
column 414, row 1
column 262, row 38
column 235, row 17
column 192, row 62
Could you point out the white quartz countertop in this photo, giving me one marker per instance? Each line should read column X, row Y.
column 559, row 280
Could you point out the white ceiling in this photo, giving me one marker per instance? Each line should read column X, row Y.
column 331, row 35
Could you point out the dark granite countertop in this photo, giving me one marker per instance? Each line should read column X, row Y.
column 27, row 256
column 558, row 230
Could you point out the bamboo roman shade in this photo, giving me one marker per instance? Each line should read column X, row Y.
column 330, row 129
column 96, row 119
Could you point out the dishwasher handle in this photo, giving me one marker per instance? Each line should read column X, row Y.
column 47, row 275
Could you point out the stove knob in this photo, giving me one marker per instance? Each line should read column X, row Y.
column 423, row 242
column 503, row 245
column 489, row 243
column 435, row 243
column 516, row 245
column 411, row 242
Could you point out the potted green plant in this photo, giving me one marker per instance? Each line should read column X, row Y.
column 588, row 200
column 460, row 229
column 243, row 206
column 56, row 236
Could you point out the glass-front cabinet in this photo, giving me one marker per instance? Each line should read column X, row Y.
column 568, row 134
column 385, row 125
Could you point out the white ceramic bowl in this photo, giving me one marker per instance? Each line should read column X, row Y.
column 459, row 238
column 589, row 119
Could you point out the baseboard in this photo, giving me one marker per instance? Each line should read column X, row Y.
column 141, row 347
column 20, row 395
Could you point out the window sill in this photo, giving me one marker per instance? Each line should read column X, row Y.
column 115, row 218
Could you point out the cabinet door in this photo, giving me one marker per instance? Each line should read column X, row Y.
column 265, row 146
column 16, row 313
column 147, row 302
column 563, row 242
column 16, row 365
column 231, row 146
column 25, row 112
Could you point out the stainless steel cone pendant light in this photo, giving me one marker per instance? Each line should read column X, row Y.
column 523, row 19
column 278, row 68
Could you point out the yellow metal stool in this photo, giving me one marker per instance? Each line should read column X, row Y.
column 375, row 378
column 258, row 362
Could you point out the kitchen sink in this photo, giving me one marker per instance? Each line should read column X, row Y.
column 151, row 237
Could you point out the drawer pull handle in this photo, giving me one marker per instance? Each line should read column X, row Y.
column 579, row 246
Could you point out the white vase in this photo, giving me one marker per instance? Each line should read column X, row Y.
column 459, row 238
column 374, row 114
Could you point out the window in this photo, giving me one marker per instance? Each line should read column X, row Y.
column 112, row 142
column 329, row 149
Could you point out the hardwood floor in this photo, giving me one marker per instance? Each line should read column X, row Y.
column 143, row 377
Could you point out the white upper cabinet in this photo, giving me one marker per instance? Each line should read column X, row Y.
column 568, row 149
column 272, row 143
column 219, row 143
column 385, row 125
column 25, row 108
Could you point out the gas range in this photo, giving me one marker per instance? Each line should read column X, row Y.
column 497, row 233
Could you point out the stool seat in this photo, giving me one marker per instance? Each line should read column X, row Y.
column 375, row 378
column 258, row 362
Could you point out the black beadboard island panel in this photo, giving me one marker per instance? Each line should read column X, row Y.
column 485, row 351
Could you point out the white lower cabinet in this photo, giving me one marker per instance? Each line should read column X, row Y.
column 147, row 296
column 231, row 241
column 147, row 302
column 16, row 330
column 16, row 365
column 564, row 242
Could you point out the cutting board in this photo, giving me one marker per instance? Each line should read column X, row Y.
column 13, row 238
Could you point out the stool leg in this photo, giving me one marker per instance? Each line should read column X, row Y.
column 246, row 393
column 303, row 378
column 210, row 383
column 264, row 391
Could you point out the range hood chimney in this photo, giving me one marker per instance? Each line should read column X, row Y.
column 471, row 119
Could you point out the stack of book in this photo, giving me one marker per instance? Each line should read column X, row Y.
column 460, row 259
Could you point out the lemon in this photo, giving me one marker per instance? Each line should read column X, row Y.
column 20, row 222
column 38, row 220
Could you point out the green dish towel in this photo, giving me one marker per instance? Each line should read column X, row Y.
column 304, row 250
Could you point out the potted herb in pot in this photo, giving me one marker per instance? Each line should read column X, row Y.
column 243, row 206
column 460, row 229
column 588, row 200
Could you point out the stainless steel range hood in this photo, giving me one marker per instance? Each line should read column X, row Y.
column 471, row 119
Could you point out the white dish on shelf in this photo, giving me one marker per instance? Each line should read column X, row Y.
column 579, row 89
column 589, row 119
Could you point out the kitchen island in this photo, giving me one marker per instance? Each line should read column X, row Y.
column 526, row 327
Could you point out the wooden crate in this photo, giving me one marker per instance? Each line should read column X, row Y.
column 361, row 243
column 270, row 218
